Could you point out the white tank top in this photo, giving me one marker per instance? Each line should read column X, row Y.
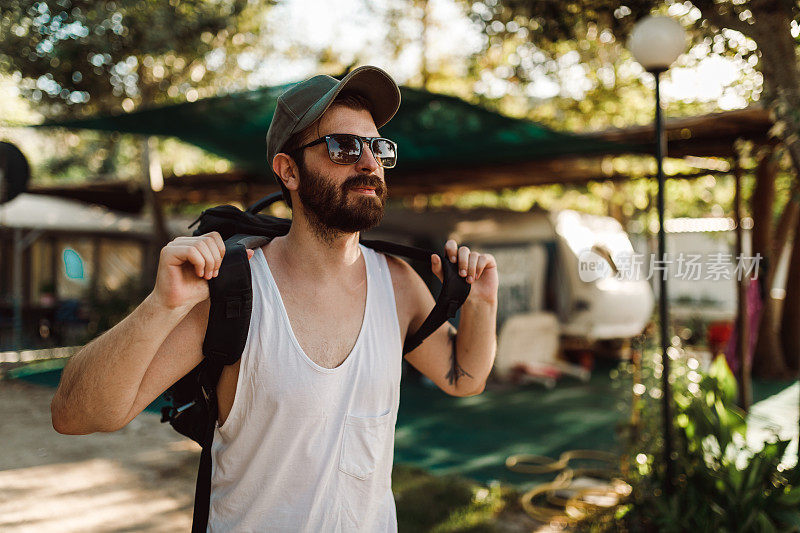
column 309, row 448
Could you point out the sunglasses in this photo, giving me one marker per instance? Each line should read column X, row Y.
column 346, row 148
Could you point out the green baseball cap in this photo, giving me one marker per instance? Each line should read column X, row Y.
column 303, row 103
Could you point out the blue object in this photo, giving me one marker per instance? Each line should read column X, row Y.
column 73, row 264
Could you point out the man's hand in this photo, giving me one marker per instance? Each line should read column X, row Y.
column 458, row 364
column 184, row 267
column 114, row 377
column 480, row 271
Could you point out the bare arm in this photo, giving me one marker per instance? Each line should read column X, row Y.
column 461, row 371
column 100, row 384
column 113, row 378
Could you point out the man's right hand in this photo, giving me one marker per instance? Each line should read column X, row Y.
column 114, row 377
column 184, row 268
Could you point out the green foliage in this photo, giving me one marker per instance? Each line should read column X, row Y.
column 73, row 57
column 448, row 503
column 720, row 484
column 532, row 44
column 596, row 31
column 95, row 55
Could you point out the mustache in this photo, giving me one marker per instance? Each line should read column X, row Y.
column 364, row 180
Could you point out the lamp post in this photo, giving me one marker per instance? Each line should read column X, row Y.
column 656, row 42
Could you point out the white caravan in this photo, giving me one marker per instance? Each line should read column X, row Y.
column 558, row 263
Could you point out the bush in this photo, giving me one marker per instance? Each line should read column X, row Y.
column 426, row 502
column 719, row 484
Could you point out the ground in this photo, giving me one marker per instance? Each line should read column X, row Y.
column 141, row 478
column 136, row 479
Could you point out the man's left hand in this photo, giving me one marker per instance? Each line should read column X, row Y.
column 480, row 270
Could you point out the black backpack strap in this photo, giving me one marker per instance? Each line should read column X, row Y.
column 454, row 288
column 209, row 377
column 264, row 202
column 231, row 295
column 454, row 291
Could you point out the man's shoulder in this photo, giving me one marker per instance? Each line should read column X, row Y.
column 406, row 281
column 399, row 268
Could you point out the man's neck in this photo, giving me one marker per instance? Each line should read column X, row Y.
column 305, row 250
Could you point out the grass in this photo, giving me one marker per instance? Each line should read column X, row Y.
column 426, row 502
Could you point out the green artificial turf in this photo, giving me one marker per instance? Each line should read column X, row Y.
column 473, row 436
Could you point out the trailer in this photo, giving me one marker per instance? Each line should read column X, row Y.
column 550, row 309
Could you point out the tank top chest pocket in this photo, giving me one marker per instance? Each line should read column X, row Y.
column 363, row 443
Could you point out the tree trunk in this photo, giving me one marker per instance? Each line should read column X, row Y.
column 784, row 232
column 743, row 280
column 423, row 56
column 768, row 361
column 790, row 322
column 779, row 66
column 761, row 205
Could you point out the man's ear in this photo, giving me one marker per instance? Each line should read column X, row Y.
column 287, row 170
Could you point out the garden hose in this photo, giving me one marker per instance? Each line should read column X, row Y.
column 546, row 503
column 539, row 464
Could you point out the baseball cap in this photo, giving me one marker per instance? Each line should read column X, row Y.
column 303, row 103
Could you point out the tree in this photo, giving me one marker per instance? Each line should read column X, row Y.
column 73, row 57
column 79, row 56
column 761, row 33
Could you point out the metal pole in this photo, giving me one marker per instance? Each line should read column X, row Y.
column 661, row 151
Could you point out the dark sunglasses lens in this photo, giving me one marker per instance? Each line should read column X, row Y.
column 385, row 152
column 344, row 149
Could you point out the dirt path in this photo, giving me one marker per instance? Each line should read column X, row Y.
column 140, row 478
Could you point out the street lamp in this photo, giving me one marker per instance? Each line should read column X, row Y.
column 656, row 42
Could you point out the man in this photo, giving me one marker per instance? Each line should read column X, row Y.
column 306, row 417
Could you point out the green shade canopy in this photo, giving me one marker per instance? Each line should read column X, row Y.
column 432, row 131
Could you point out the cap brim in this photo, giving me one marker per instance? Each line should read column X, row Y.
column 376, row 86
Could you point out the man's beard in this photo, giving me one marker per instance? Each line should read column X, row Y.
column 333, row 210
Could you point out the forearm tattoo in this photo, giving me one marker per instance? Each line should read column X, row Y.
column 456, row 371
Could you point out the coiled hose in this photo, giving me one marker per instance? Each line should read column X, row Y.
column 546, row 503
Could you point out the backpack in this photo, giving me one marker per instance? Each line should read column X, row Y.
column 192, row 401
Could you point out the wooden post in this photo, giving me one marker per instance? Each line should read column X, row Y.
column 54, row 264
column 16, row 287
column 22, row 241
column 161, row 236
column 94, row 281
